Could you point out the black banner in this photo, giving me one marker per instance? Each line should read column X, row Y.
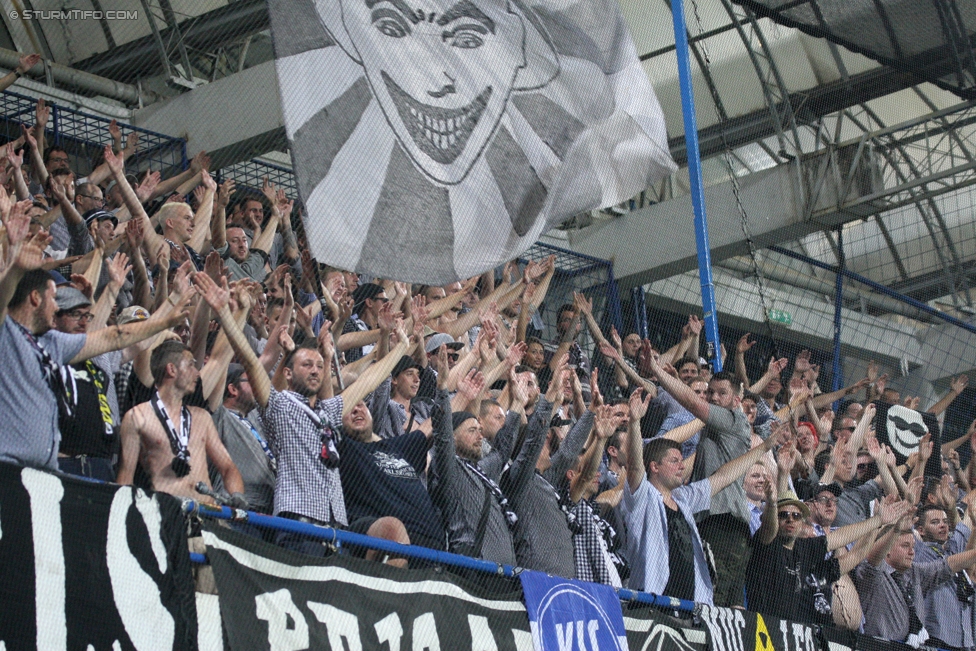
column 274, row 598
column 268, row 593
column 85, row 565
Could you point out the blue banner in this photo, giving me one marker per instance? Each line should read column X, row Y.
column 566, row 615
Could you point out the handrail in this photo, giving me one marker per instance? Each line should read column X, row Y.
column 411, row 551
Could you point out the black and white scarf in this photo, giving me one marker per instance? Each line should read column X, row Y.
column 495, row 489
column 179, row 440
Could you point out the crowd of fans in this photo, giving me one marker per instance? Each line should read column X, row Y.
column 167, row 332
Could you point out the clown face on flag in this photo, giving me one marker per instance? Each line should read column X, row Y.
column 435, row 139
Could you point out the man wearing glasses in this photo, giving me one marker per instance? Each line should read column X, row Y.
column 88, row 197
column 790, row 576
column 369, row 300
column 89, row 431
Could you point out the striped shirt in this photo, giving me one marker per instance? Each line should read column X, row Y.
column 305, row 485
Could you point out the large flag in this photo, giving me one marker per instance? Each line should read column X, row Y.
column 435, row 139
column 86, row 565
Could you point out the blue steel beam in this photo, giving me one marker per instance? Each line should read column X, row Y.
column 697, row 185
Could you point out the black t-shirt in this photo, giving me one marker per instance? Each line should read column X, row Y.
column 681, row 558
column 794, row 584
column 384, row 479
column 85, row 432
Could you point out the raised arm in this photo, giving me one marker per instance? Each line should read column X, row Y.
column 736, row 468
column 117, row 166
column 635, row 443
column 889, row 513
column 201, row 220
column 680, row 391
column 24, row 64
column 218, row 298
column 604, row 425
column 121, row 336
column 956, row 387
column 372, row 376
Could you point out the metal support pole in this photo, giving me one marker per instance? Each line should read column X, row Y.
column 638, row 305
column 697, row 186
column 887, row 291
column 838, row 306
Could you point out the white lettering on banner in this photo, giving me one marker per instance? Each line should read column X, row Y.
column 339, row 624
column 592, row 627
column 288, row 630
column 523, row 640
column 425, row 633
column 665, row 637
column 726, row 626
column 389, row 630
column 277, row 608
column 802, row 636
column 482, row 638
column 149, row 509
column 45, row 492
column 147, row 621
column 584, row 629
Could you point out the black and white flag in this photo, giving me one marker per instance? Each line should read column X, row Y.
column 85, row 565
column 435, row 139
column 274, row 598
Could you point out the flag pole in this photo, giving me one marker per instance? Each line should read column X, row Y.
column 697, row 187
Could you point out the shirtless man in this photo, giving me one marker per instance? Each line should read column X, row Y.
column 173, row 442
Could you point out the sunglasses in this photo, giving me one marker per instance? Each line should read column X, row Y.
column 864, row 466
column 790, row 515
column 826, row 500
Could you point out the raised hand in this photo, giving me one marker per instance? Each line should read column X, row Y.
column 325, row 341
column 639, row 401
column 28, row 254
column 610, row 352
column 14, row 157
column 26, row 62
column 207, row 181
column 442, row 368
column 214, row 266
column 786, row 458
column 959, row 384
column 181, row 279
column 114, row 162
column 471, row 385
column 131, row 142
column 743, row 345
column 43, row 113
column 596, row 398
column 515, row 354
column 269, row 190
column 582, row 303
column 216, row 296
column 558, row 377
column 802, row 363
column 695, row 324
column 115, row 131
column 615, row 338
column 134, row 235
column 118, row 269
column 892, row 512
column 605, row 422
column 15, row 217
column 925, row 448
column 224, row 192
column 776, row 366
column 144, row 190
column 200, row 162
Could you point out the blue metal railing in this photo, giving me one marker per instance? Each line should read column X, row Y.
column 410, row 551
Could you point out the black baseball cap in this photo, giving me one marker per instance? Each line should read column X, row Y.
column 406, row 363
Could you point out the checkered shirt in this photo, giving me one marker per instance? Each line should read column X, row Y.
column 305, row 485
column 589, row 548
